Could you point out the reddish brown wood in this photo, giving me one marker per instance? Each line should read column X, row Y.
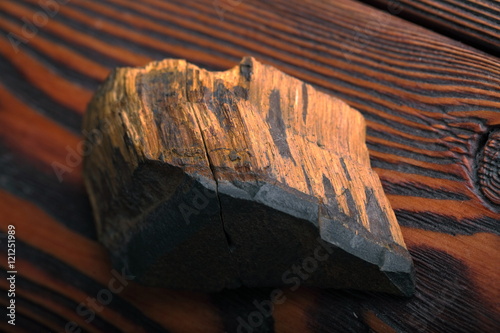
column 429, row 102
column 473, row 22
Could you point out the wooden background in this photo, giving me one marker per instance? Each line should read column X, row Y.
column 431, row 103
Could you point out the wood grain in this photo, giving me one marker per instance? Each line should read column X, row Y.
column 488, row 164
column 430, row 104
column 473, row 22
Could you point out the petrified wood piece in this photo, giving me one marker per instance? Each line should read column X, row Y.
column 206, row 180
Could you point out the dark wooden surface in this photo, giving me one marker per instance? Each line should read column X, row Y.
column 473, row 22
column 430, row 103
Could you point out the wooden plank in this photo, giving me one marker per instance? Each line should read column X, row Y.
column 430, row 104
column 473, row 22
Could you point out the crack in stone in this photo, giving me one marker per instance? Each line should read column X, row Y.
column 210, row 165
column 230, row 245
column 229, row 242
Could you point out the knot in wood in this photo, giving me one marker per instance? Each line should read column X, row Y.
column 489, row 168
